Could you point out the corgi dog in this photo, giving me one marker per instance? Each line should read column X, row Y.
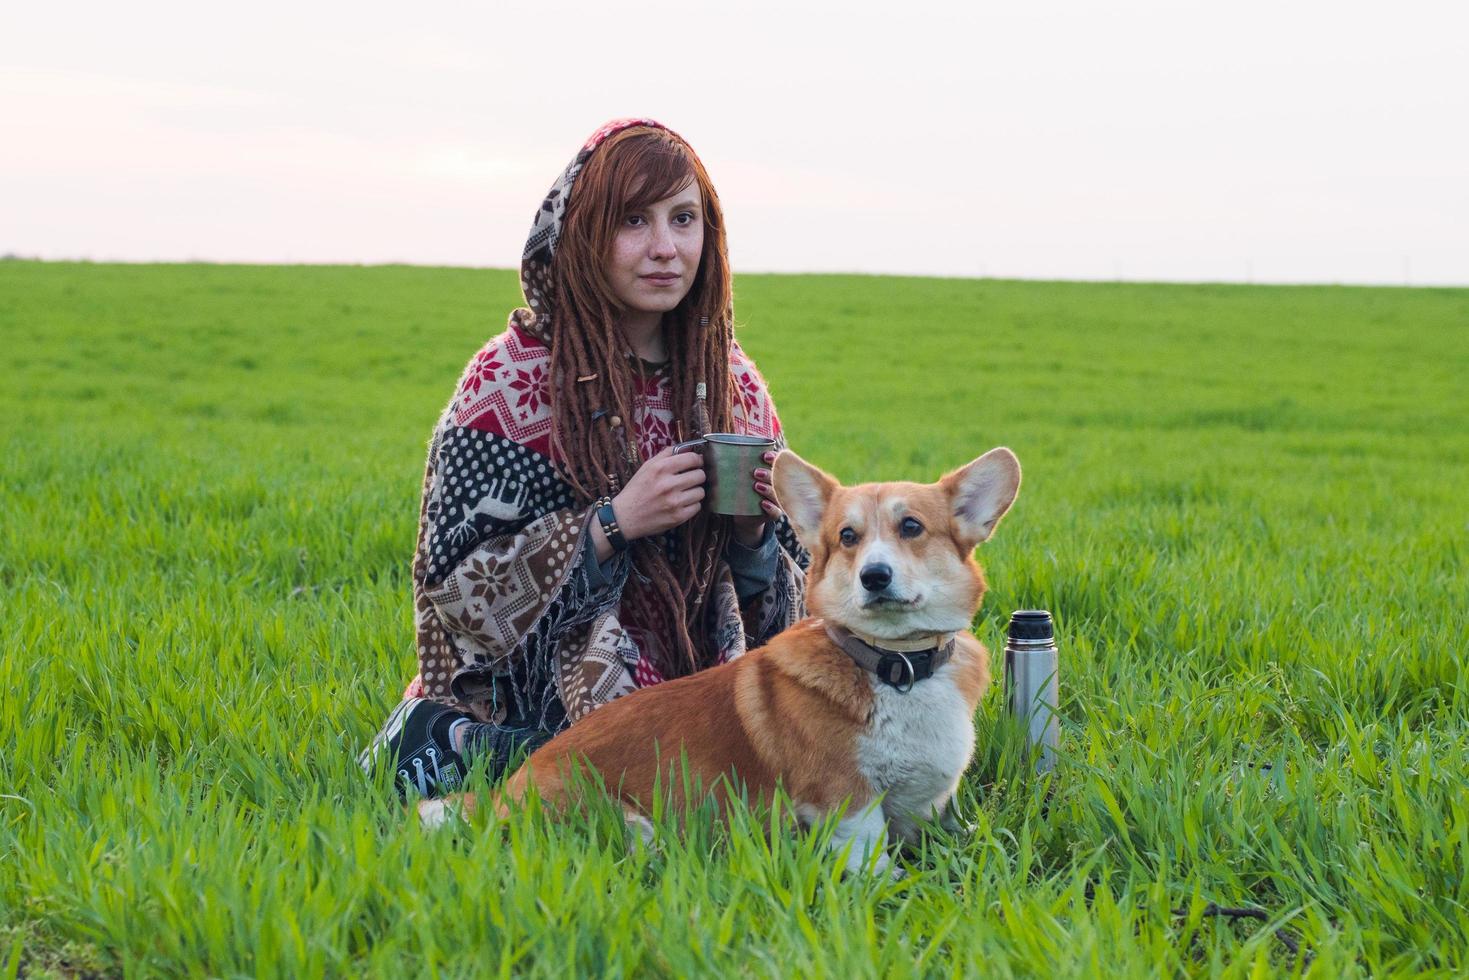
column 865, row 708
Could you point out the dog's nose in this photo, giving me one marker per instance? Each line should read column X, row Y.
column 875, row 578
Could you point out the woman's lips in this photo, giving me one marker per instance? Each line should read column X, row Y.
column 660, row 280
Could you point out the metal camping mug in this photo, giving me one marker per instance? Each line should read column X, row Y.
column 730, row 460
column 1031, row 664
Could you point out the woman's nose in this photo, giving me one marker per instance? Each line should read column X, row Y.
column 662, row 246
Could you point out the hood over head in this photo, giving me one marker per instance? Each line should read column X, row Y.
column 545, row 232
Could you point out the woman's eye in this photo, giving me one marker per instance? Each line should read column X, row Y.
column 849, row 537
column 634, row 219
column 685, row 218
column 910, row 528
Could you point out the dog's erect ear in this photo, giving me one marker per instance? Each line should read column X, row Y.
column 802, row 491
column 981, row 492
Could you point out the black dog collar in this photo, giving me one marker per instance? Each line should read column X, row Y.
column 898, row 669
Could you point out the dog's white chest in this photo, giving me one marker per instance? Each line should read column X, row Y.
column 918, row 743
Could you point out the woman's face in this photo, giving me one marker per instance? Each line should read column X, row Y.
column 655, row 255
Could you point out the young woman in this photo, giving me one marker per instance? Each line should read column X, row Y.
column 563, row 557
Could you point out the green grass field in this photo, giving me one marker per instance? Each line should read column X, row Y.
column 1246, row 507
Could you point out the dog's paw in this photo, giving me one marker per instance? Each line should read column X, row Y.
column 960, row 830
column 640, row 830
column 437, row 813
column 954, row 826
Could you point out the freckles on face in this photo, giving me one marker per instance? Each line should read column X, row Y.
column 656, row 252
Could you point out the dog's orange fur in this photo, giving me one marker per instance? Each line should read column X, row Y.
column 790, row 713
column 779, row 711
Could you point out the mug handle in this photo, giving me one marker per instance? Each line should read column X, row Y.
column 684, row 447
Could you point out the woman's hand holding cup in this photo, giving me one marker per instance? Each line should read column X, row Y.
column 749, row 530
column 669, row 489
column 665, row 492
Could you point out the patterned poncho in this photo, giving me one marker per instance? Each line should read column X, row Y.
column 509, row 615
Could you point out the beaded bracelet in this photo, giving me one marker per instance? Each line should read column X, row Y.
column 608, row 518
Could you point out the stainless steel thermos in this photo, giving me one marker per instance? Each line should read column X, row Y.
column 1030, row 682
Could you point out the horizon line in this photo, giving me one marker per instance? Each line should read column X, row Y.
column 9, row 257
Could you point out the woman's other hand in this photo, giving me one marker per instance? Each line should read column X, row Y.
column 665, row 492
column 749, row 530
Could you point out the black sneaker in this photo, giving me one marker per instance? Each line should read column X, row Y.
column 505, row 746
column 416, row 740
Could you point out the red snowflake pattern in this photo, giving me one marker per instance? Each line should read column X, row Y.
column 532, row 387
column 748, row 392
column 653, row 435
column 482, row 370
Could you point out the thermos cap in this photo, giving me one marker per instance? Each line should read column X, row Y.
column 1031, row 624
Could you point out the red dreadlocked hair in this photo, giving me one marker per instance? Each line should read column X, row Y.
column 631, row 170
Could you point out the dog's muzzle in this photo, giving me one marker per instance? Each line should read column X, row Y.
column 876, row 577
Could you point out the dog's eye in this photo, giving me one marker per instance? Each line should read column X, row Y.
column 849, row 537
column 910, row 528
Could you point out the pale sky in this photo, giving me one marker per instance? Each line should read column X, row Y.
column 1241, row 141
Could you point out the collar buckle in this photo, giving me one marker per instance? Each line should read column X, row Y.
column 896, row 670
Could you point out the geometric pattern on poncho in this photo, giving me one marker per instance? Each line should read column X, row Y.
column 501, row 591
